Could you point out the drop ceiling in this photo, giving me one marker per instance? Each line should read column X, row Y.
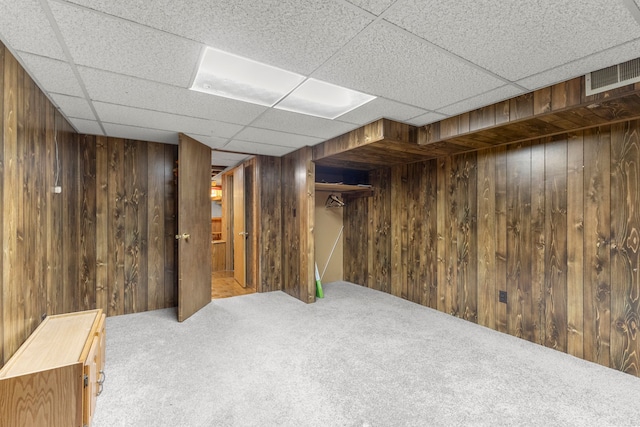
column 122, row 68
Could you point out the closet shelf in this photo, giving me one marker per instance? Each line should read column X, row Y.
column 343, row 188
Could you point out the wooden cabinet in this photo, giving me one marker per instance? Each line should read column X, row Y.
column 55, row 376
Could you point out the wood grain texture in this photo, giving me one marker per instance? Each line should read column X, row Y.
column 575, row 245
column 2, row 198
column 194, row 219
column 170, row 226
column 270, row 241
column 536, row 299
column 102, row 222
column 116, row 242
column 625, row 226
column 52, row 397
column 61, row 251
column 501, row 235
column 487, row 238
column 155, row 227
column 380, row 208
column 556, row 244
column 298, row 189
column 598, row 195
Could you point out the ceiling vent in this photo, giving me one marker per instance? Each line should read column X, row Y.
column 612, row 77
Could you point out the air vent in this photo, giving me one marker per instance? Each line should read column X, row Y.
column 613, row 77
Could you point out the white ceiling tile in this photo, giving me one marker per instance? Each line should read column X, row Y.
column 267, row 136
column 381, row 108
column 286, row 121
column 89, row 127
column 518, row 39
column 118, row 89
column 425, row 119
column 24, row 26
column 164, row 121
column 124, row 47
column 292, row 34
column 582, row 66
column 51, row 74
column 72, row 106
column 140, row 134
column 224, row 158
column 374, row 6
column 482, row 100
column 256, row 148
column 209, row 141
column 385, row 61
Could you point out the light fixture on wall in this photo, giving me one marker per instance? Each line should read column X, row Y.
column 232, row 76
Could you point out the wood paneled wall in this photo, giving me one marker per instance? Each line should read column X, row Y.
column 106, row 241
column 298, row 217
column 268, row 179
column 554, row 222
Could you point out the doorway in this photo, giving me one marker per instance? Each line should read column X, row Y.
column 231, row 253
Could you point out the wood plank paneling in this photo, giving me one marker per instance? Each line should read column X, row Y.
column 536, row 299
column 556, row 226
column 155, row 223
column 298, row 179
column 62, row 251
column 269, row 171
column 575, row 245
column 487, row 238
column 625, row 227
column 597, row 229
column 556, row 244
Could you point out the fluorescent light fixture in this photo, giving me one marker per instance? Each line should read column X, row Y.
column 321, row 99
column 231, row 76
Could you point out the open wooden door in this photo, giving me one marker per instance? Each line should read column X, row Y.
column 239, row 228
column 194, row 226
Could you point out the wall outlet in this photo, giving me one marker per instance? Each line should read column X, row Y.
column 502, row 296
column 57, row 189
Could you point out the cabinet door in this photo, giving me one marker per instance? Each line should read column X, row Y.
column 90, row 383
column 100, row 354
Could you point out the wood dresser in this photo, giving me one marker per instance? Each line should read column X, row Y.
column 55, row 376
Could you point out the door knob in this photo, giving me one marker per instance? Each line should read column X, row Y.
column 184, row 236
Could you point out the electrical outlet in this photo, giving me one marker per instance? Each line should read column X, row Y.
column 57, row 189
column 502, row 296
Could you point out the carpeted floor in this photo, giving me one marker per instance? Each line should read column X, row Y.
column 358, row 357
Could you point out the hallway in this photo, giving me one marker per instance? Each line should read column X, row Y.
column 223, row 285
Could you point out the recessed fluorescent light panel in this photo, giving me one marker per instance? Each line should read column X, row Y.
column 321, row 99
column 223, row 74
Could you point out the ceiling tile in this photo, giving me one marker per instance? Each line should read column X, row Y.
column 223, row 158
column 425, row 119
column 266, row 136
column 24, row 26
column 125, row 47
column 582, row 66
column 118, row 89
column 286, row 121
column 388, row 62
column 256, row 148
column 482, row 100
column 518, row 39
column 292, row 34
column 374, row 6
column 54, row 75
column 381, row 108
column 164, row 121
column 72, row 106
column 140, row 134
column 209, row 141
column 89, row 127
